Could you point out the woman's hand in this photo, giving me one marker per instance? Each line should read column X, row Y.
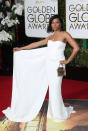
column 64, row 62
column 17, row 49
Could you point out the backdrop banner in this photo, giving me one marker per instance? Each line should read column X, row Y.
column 77, row 18
column 37, row 15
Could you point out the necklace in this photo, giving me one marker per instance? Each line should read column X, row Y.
column 53, row 37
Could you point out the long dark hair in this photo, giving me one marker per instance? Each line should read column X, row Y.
column 49, row 28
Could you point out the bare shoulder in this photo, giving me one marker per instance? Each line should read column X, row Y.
column 66, row 34
column 45, row 40
column 49, row 37
column 70, row 40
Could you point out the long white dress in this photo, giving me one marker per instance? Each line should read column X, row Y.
column 33, row 71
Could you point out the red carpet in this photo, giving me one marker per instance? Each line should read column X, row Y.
column 71, row 89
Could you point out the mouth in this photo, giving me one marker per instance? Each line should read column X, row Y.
column 55, row 28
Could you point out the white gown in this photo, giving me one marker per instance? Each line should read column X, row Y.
column 33, row 71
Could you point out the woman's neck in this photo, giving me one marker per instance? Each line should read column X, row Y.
column 57, row 31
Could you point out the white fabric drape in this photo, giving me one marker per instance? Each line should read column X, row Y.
column 34, row 70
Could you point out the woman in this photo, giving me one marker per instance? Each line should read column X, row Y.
column 35, row 70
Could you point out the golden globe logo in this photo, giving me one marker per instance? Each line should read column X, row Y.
column 37, row 15
column 78, row 16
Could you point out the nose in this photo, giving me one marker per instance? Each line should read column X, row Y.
column 54, row 24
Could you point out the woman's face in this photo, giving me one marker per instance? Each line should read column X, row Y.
column 56, row 24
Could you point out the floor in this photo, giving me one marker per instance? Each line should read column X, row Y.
column 77, row 122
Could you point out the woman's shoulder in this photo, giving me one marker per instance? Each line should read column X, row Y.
column 65, row 33
column 49, row 37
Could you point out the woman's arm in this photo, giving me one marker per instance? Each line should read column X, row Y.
column 32, row 45
column 73, row 44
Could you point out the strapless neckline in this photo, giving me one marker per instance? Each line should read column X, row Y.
column 58, row 41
